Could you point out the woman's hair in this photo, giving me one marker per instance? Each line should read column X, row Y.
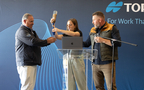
column 74, row 21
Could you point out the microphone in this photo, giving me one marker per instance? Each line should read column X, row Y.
column 54, row 17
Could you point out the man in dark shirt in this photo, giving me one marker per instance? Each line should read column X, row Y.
column 102, row 66
column 28, row 52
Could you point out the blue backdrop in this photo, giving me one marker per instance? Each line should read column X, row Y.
column 126, row 15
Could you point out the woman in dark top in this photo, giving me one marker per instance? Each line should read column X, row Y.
column 76, row 66
column 72, row 30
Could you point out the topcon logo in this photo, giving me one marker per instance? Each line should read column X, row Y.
column 135, row 7
column 113, row 6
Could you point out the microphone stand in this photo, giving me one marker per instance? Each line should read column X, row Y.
column 113, row 40
column 119, row 41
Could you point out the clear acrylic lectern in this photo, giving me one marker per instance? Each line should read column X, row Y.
column 65, row 54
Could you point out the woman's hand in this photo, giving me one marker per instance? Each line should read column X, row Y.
column 52, row 20
column 55, row 30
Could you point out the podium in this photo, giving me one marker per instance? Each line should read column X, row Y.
column 66, row 54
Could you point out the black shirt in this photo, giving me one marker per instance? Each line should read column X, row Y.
column 74, row 31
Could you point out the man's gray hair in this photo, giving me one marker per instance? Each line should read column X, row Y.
column 25, row 16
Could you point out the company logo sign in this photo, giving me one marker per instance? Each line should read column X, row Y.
column 114, row 7
column 134, row 7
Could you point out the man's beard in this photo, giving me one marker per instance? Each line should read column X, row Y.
column 97, row 26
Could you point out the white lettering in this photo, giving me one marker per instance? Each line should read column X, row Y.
column 142, row 7
column 138, row 7
column 134, row 7
column 127, row 6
